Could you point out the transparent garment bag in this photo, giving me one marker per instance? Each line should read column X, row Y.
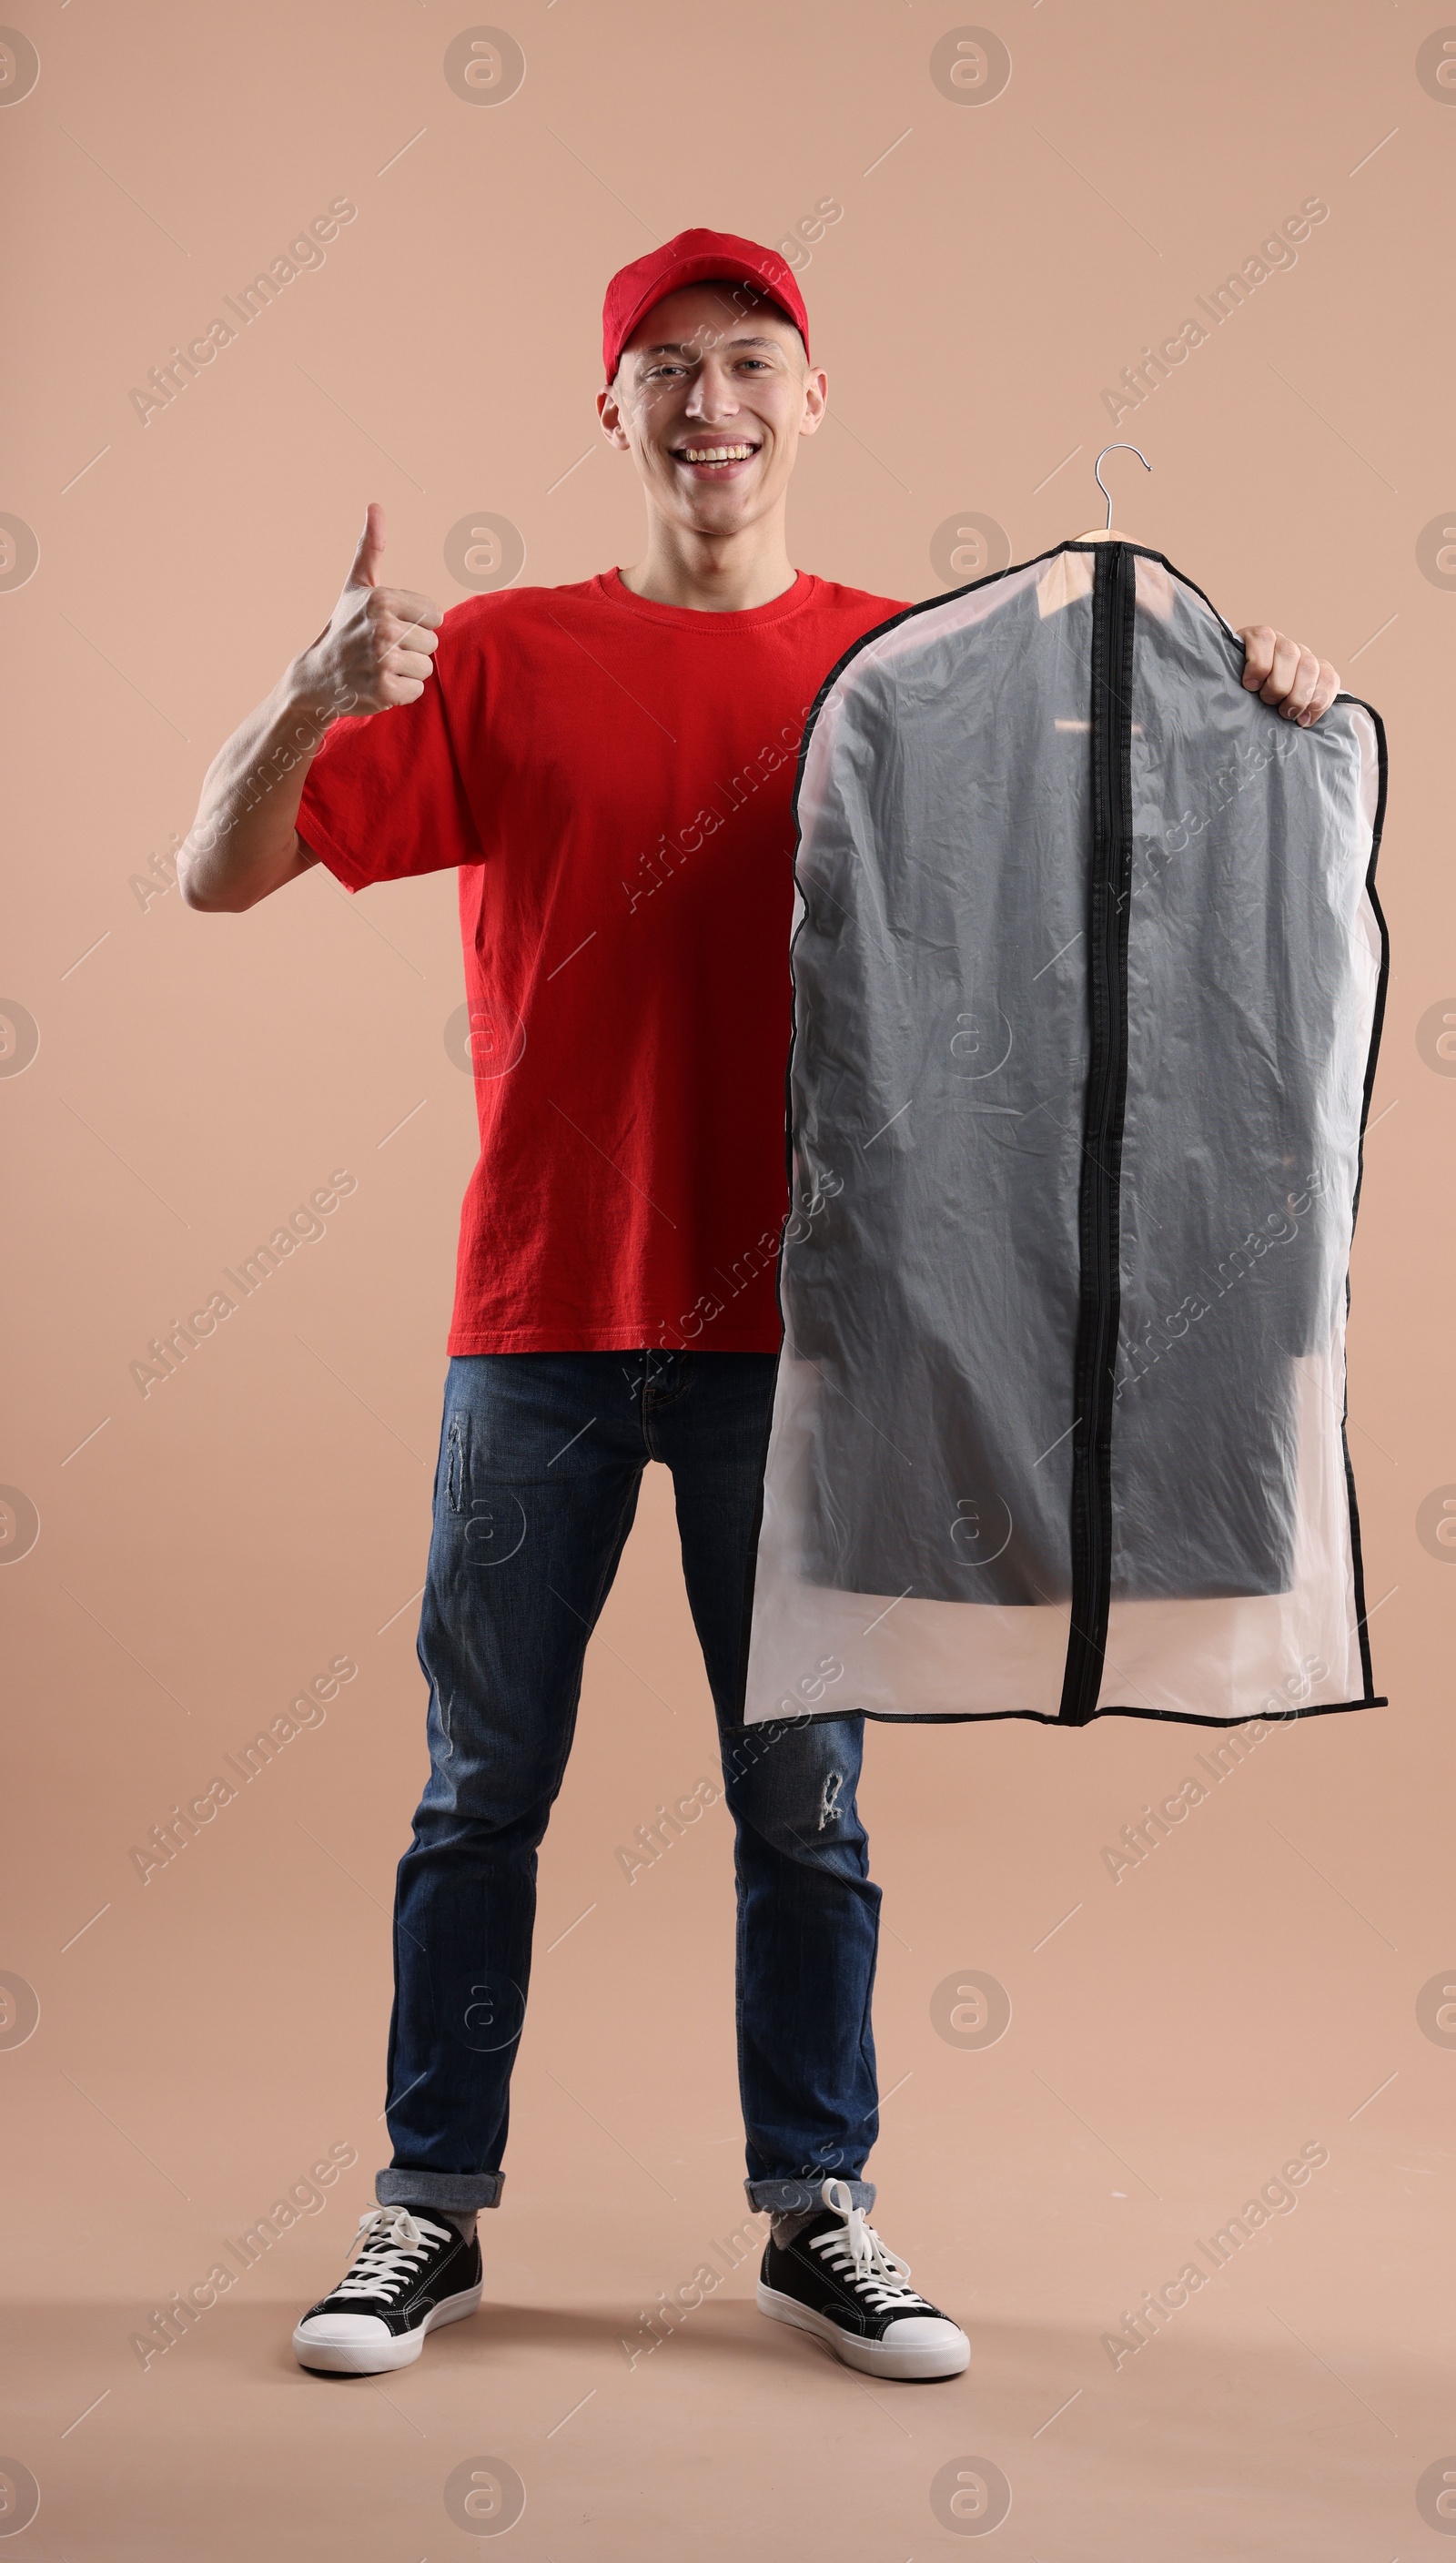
column 1088, row 971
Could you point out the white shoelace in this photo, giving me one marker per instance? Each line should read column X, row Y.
column 856, row 2252
column 393, row 2250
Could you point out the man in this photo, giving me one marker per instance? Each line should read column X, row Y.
column 610, row 765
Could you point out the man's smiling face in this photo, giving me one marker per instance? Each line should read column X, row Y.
column 711, row 398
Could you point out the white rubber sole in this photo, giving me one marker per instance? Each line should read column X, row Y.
column 377, row 2356
column 872, row 2357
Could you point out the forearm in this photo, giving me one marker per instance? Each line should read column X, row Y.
column 244, row 840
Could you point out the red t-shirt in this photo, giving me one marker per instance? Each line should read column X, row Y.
column 614, row 779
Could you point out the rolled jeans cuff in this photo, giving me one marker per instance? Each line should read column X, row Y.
column 400, row 2187
column 803, row 2197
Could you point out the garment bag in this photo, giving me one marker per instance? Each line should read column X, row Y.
column 1087, row 978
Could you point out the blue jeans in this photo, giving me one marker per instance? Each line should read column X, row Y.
column 541, row 1457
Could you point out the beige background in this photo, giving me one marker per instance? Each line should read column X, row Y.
column 203, row 1553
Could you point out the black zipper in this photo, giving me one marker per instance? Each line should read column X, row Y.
column 1095, row 1381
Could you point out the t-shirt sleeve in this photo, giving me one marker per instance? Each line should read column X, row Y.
column 385, row 797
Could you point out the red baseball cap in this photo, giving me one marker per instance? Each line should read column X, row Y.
column 691, row 259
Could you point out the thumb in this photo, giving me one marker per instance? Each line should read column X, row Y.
column 364, row 571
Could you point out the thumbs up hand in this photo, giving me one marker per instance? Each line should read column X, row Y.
column 376, row 648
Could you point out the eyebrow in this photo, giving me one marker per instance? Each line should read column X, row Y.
column 687, row 346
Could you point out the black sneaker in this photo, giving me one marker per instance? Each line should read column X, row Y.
column 838, row 2280
column 408, row 2274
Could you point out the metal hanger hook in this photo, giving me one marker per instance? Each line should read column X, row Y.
column 1097, row 471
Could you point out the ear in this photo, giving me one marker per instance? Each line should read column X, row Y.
column 815, row 400
column 609, row 413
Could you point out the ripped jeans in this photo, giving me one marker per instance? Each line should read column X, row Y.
column 541, row 1458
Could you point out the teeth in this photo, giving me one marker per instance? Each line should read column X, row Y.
column 716, row 453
